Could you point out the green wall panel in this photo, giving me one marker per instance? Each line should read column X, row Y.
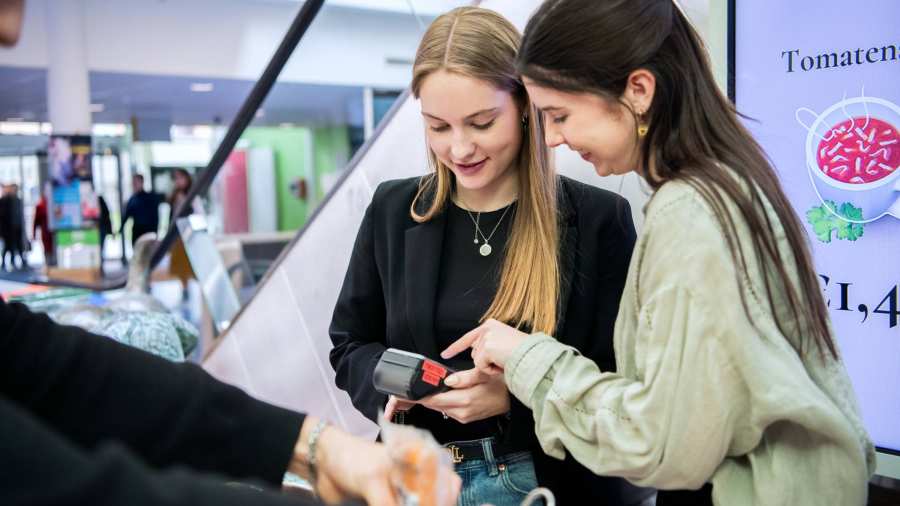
column 330, row 152
column 290, row 147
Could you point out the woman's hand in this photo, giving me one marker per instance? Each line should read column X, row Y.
column 347, row 466
column 492, row 344
column 475, row 396
column 396, row 405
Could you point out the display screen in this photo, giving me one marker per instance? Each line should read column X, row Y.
column 821, row 86
column 73, row 202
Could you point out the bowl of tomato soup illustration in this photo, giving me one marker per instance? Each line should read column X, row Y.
column 853, row 154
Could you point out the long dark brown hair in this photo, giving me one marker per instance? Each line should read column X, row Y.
column 694, row 133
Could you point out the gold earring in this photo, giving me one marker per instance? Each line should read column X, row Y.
column 643, row 127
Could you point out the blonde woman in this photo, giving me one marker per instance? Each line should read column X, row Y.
column 493, row 232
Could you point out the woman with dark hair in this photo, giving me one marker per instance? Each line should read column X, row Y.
column 729, row 379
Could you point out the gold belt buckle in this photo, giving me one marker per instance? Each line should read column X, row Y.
column 455, row 454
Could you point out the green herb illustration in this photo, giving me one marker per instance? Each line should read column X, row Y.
column 824, row 221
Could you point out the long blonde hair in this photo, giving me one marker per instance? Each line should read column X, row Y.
column 482, row 44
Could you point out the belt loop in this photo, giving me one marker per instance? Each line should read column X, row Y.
column 488, row 446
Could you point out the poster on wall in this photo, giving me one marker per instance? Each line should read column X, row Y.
column 819, row 82
column 73, row 202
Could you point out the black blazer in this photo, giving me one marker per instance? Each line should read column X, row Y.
column 388, row 299
column 86, row 420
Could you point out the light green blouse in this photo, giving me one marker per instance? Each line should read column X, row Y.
column 701, row 394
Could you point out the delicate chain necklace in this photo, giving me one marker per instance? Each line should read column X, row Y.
column 485, row 248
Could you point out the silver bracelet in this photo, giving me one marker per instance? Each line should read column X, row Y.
column 313, row 445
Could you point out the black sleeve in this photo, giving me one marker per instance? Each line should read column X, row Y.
column 41, row 467
column 358, row 325
column 127, row 215
column 91, row 390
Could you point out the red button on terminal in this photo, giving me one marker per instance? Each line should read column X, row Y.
column 435, row 368
column 431, row 379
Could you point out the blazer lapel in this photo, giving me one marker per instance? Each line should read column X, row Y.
column 422, row 260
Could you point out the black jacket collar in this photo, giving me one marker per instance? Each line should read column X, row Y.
column 422, row 260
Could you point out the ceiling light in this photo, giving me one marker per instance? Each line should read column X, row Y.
column 201, row 87
column 398, row 60
column 19, row 128
column 109, row 129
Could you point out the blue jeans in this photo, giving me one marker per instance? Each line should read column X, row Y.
column 500, row 481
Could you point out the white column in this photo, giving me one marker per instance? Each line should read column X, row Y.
column 312, row 193
column 68, row 91
column 368, row 112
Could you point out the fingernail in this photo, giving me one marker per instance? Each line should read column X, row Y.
column 451, row 381
column 444, row 354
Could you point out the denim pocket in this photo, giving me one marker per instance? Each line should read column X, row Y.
column 518, row 473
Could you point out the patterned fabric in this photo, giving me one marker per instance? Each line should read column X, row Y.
column 136, row 320
column 162, row 334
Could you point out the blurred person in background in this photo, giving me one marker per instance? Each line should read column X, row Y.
column 12, row 216
column 42, row 222
column 142, row 209
column 179, row 265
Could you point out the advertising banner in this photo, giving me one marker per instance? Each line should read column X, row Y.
column 73, row 202
column 820, row 82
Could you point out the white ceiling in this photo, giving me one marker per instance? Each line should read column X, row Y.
column 424, row 7
column 23, row 95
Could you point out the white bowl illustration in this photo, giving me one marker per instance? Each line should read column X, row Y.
column 875, row 198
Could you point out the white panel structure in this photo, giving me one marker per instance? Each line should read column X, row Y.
column 261, row 190
column 282, row 335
